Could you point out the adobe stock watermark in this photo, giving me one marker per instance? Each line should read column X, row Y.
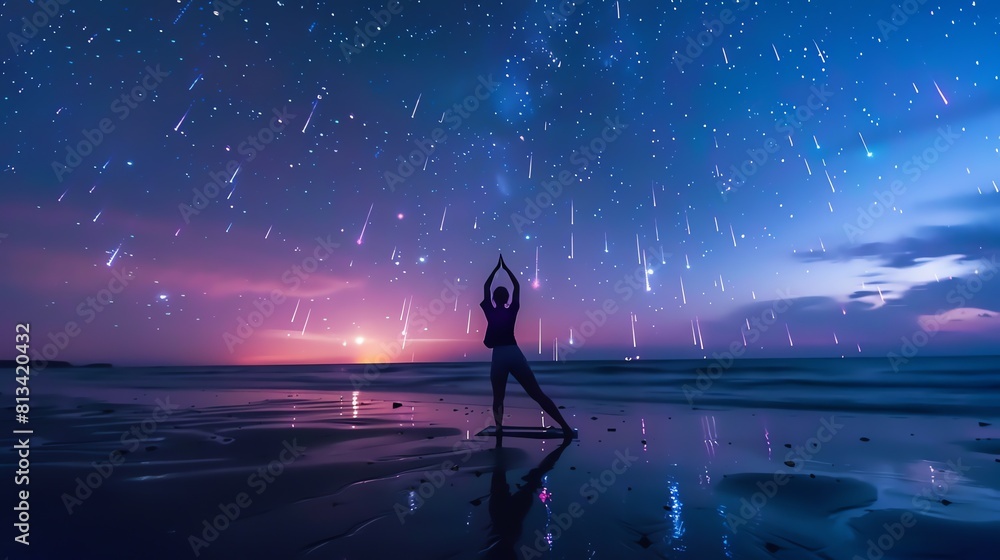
column 94, row 137
column 259, row 481
column 565, row 9
column 47, row 11
column 696, row 44
column 365, row 36
column 581, row 157
column 249, row 149
column 758, row 326
column 590, row 492
column 454, row 117
column 293, row 277
column 87, row 310
column 766, row 490
column 626, row 287
column 130, row 439
column 436, row 478
column 913, row 168
column 785, row 126
column 423, row 317
column 901, row 14
column 895, row 531
column 930, row 325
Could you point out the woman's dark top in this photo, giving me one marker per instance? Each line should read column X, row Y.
column 500, row 324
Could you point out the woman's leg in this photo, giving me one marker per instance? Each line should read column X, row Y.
column 521, row 371
column 498, row 378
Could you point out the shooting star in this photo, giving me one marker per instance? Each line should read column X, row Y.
column 406, row 323
column 820, row 51
column 645, row 270
column 633, row 330
column 535, row 282
column 233, row 178
column 865, row 144
column 941, row 93
column 183, row 11
column 306, row 323
column 315, row 104
column 362, row 236
column 417, row 104
column 114, row 254
column 180, row 122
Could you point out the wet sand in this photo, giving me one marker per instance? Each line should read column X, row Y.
column 277, row 466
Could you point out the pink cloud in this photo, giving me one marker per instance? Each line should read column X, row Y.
column 962, row 319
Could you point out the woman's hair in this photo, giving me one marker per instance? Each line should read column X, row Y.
column 500, row 295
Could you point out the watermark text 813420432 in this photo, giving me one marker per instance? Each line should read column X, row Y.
column 22, row 376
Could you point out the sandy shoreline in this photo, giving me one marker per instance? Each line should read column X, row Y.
column 307, row 473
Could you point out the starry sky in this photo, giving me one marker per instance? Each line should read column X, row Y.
column 199, row 182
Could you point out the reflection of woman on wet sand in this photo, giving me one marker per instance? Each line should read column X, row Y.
column 507, row 357
column 508, row 511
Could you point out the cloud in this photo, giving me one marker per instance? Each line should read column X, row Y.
column 964, row 319
column 970, row 241
column 987, row 203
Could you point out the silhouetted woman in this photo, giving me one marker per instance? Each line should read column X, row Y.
column 507, row 357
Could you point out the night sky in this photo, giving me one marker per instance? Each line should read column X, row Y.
column 193, row 182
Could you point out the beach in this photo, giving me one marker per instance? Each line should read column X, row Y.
column 837, row 459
